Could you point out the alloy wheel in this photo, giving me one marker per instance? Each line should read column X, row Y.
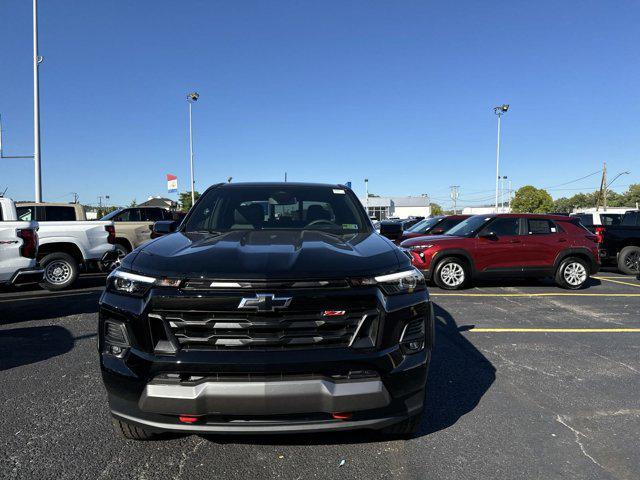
column 632, row 261
column 575, row 274
column 452, row 274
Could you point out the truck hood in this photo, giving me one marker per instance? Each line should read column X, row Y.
column 267, row 254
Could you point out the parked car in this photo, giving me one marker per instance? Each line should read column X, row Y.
column 507, row 245
column 431, row 226
column 18, row 248
column 594, row 219
column 620, row 243
column 69, row 243
column 393, row 228
column 134, row 225
column 274, row 307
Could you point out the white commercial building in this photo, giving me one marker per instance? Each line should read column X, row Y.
column 484, row 210
column 400, row 207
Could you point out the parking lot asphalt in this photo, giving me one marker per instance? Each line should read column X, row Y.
column 527, row 381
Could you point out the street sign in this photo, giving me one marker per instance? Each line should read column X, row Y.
column 172, row 183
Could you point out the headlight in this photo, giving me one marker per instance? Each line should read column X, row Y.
column 129, row 283
column 420, row 247
column 401, row 282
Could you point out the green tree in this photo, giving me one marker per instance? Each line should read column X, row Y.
column 436, row 209
column 133, row 203
column 632, row 196
column 185, row 200
column 530, row 199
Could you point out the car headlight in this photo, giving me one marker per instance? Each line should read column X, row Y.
column 129, row 283
column 425, row 246
column 406, row 281
column 134, row 284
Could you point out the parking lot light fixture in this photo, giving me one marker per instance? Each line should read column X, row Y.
column 499, row 111
column 191, row 99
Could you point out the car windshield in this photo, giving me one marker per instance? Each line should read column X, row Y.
column 110, row 215
column 278, row 207
column 424, row 225
column 469, row 226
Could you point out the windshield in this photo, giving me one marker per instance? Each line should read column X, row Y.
column 278, row 207
column 109, row 216
column 424, row 225
column 469, row 226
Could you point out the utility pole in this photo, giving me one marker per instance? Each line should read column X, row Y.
column 603, row 186
column 285, row 177
column 509, row 197
column 455, row 189
column 37, row 60
column 499, row 111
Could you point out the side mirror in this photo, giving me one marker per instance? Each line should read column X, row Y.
column 488, row 235
column 163, row 227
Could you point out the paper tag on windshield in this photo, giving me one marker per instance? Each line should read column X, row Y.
column 349, row 226
column 338, row 191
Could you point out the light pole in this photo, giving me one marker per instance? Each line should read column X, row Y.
column 455, row 192
column 366, row 192
column 37, row 60
column 499, row 111
column 191, row 99
column 502, row 179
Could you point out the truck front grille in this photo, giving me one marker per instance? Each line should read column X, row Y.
column 225, row 330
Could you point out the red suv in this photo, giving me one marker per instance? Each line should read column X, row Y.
column 507, row 245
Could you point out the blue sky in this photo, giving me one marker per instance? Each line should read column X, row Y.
column 399, row 92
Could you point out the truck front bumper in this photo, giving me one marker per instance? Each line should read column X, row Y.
column 27, row 276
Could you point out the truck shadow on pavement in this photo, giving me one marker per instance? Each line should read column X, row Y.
column 459, row 375
column 42, row 307
column 23, row 346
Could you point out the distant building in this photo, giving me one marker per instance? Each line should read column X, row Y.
column 160, row 202
column 484, row 210
column 400, row 207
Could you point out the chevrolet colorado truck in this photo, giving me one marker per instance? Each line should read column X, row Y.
column 273, row 308
column 69, row 242
column 18, row 248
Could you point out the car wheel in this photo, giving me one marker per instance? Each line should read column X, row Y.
column 572, row 273
column 60, row 271
column 132, row 432
column 629, row 260
column 122, row 251
column 451, row 274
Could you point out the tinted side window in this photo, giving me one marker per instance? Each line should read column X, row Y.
column 150, row 214
column 123, row 216
column 26, row 214
column 448, row 223
column 630, row 218
column 504, row 226
column 541, row 227
column 586, row 219
column 610, row 218
column 59, row 214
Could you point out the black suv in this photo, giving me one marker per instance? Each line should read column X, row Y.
column 274, row 307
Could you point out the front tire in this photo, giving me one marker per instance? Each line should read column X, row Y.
column 60, row 271
column 451, row 274
column 572, row 273
column 132, row 432
column 629, row 260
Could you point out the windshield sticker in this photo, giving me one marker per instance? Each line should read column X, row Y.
column 349, row 226
column 339, row 191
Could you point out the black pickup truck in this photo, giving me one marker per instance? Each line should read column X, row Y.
column 620, row 244
column 272, row 308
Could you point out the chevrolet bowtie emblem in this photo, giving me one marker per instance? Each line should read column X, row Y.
column 265, row 302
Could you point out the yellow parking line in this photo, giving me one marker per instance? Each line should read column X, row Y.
column 534, row 294
column 555, row 330
column 607, row 279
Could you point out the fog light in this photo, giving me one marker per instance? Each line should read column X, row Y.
column 115, row 350
column 414, row 346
